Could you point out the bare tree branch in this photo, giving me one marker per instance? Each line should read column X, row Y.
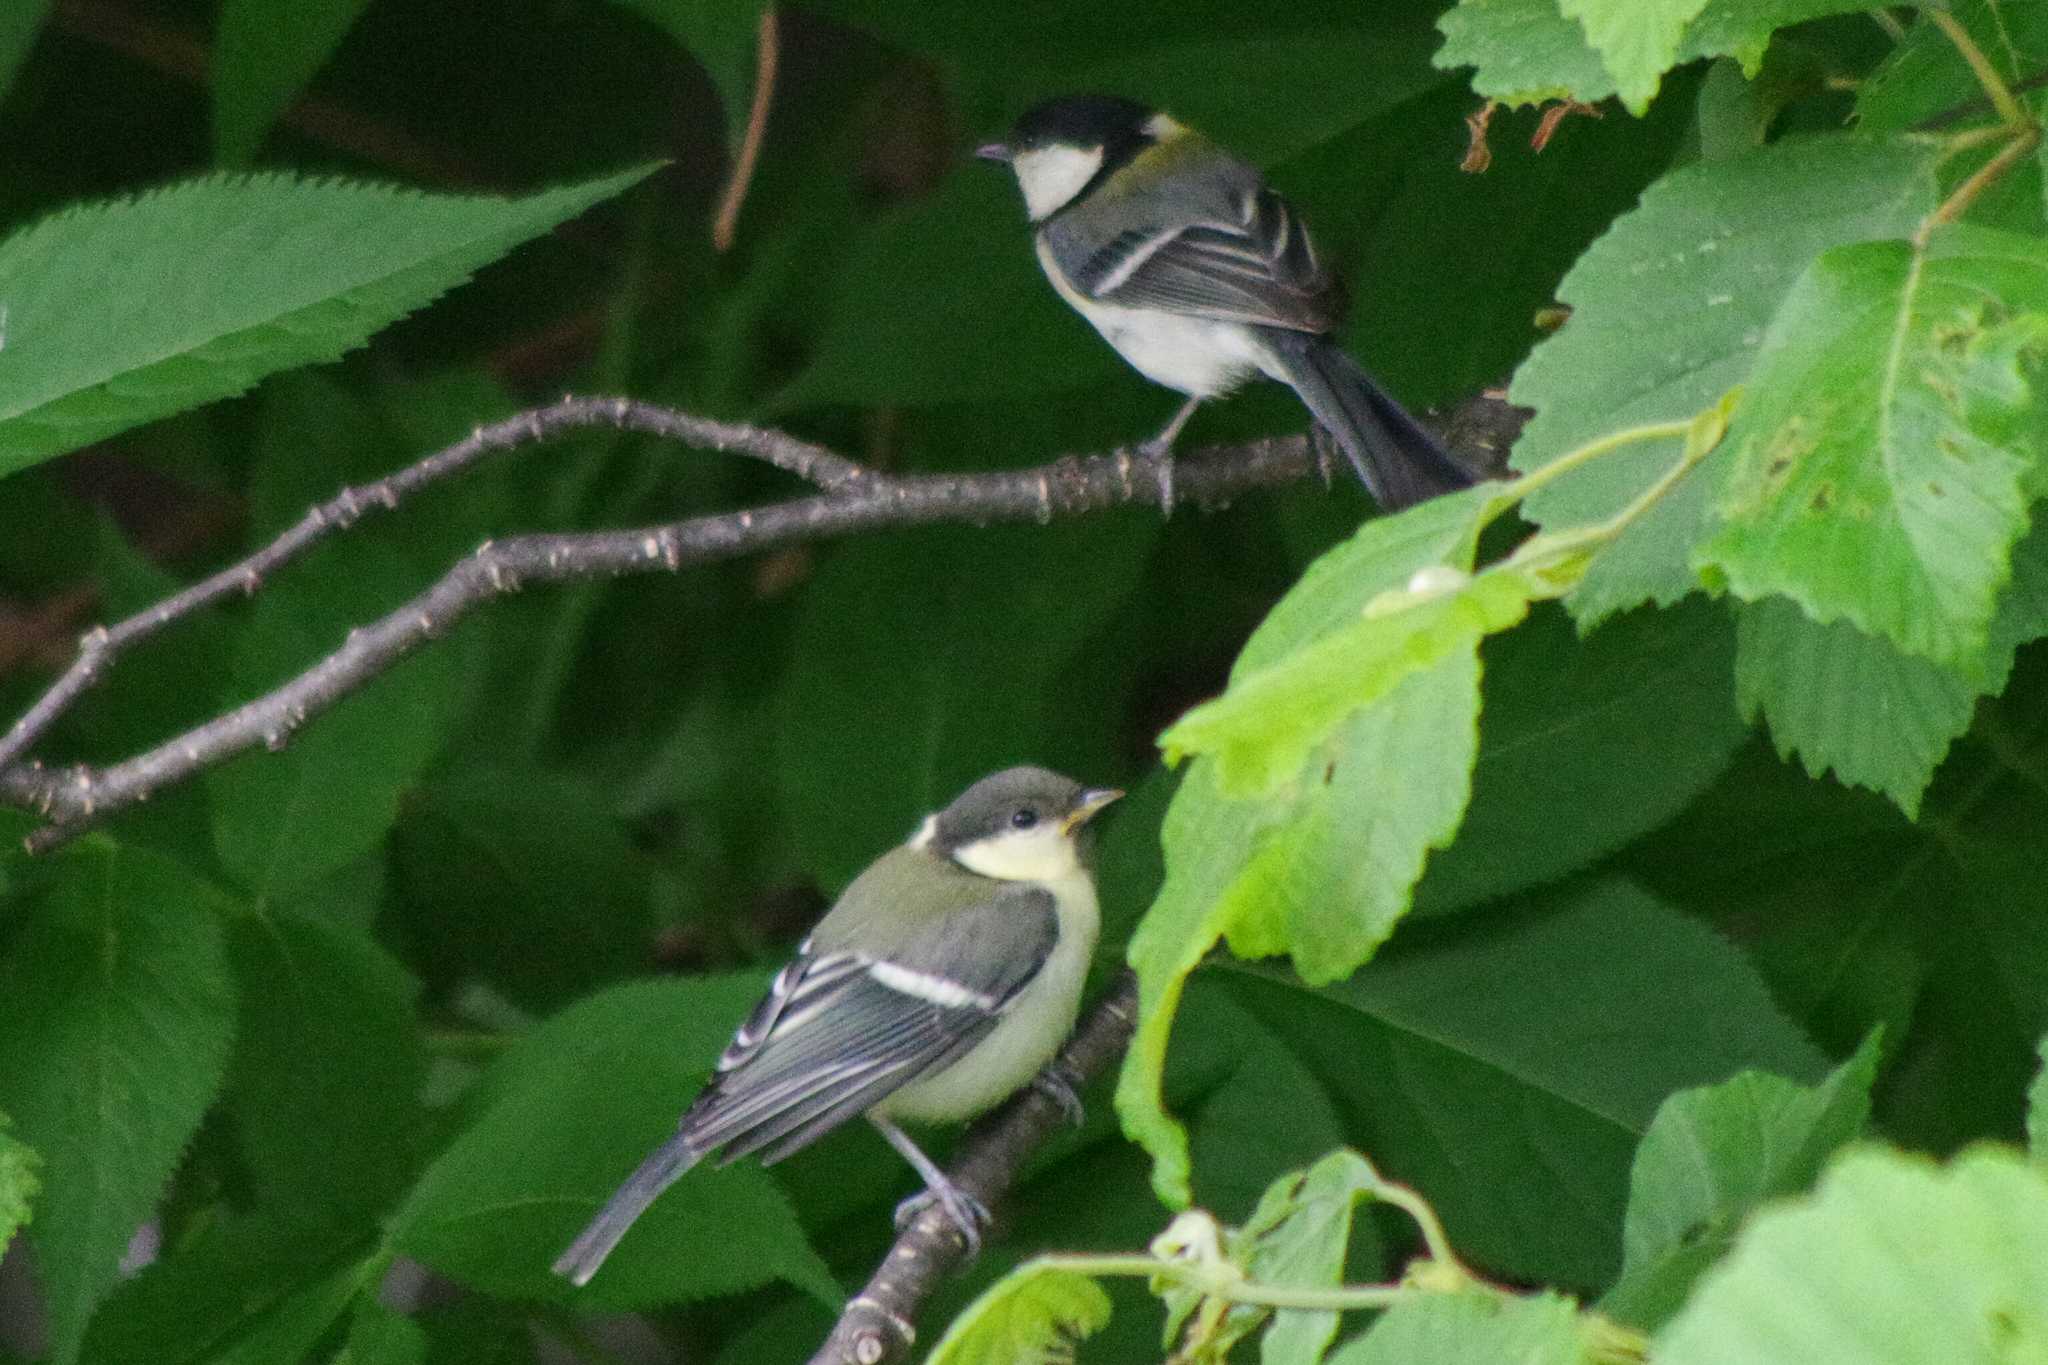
column 854, row 499
column 878, row 1324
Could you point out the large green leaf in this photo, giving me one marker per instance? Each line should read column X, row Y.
column 324, row 1088
column 19, row 24
column 1629, row 723
column 1458, row 1329
column 264, row 53
column 1668, row 310
column 524, row 878
column 1529, row 51
column 282, row 820
column 1322, row 868
column 116, row 1012
column 126, row 310
column 1892, row 1259
column 1713, row 1155
column 1508, row 1066
column 1637, row 41
column 564, row 1117
column 719, row 35
column 998, row 616
column 1882, row 461
column 2037, row 1109
column 236, row 1287
column 1854, row 705
column 19, row 1183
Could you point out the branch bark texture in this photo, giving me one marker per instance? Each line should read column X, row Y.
column 850, row 498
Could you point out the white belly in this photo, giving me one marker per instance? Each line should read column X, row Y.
column 1032, row 1030
column 1198, row 356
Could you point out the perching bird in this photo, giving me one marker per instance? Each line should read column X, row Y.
column 943, row 980
column 1201, row 276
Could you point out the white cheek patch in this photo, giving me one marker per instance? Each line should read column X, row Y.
column 1042, row 854
column 1050, row 176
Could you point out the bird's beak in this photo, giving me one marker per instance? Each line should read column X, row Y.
column 1000, row 151
column 1092, row 800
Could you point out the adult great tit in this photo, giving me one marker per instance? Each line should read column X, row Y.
column 1201, row 276
column 944, row 979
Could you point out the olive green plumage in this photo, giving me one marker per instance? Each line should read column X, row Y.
column 943, row 979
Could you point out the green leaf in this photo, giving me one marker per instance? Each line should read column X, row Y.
column 1456, row 1329
column 1637, row 40
column 1634, row 720
column 324, row 1088
column 131, row 309
column 1848, row 703
column 1323, row 869
column 19, row 1183
column 1266, row 726
column 235, row 1287
column 379, row 1336
column 720, row 35
column 1541, row 1016
column 1668, row 309
column 1714, row 1154
column 1893, row 1259
column 1530, row 51
column 1324, row 875
column 1879, row 466
column 523, row 877
column 2037, row 1109
column 1000, row 615
column 1396, row 599
column 264, row 53
column 1299, row 1237
column 19, row 24
column 116, row 1012
column 1032, row 1316
column 563, row 1117
column 285, row 819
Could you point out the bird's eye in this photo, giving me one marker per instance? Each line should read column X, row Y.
column 1023, row 818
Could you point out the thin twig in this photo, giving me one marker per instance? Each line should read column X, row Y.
column 878, row 1324
column 2023, row 142
column 73, row 798
column 1988, row 76
column 100, row 647
column 767, row 58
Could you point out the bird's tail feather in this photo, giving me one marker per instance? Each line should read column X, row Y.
column 627, row 1203
column 1397, row 457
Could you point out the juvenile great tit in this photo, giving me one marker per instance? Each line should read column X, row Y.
column 1201, row 276
column 942, row 981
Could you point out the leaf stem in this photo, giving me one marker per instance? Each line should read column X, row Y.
column 2024, row 140
column 1214, row 1284
column 2010, row 110
column 1601, row 445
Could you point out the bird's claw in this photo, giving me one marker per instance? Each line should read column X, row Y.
column 967, row 1214
column 1062, row 1086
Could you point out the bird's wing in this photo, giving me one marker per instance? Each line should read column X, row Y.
column 1250, row 261
column 840, row 1030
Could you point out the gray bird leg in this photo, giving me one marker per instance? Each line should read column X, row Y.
column 1159, row 450
column 1060, row 1085
column 967, row 1213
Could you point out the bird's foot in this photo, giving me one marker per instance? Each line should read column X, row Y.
column 966, row 1213
column 1062, row 1086
column 1158, row 452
